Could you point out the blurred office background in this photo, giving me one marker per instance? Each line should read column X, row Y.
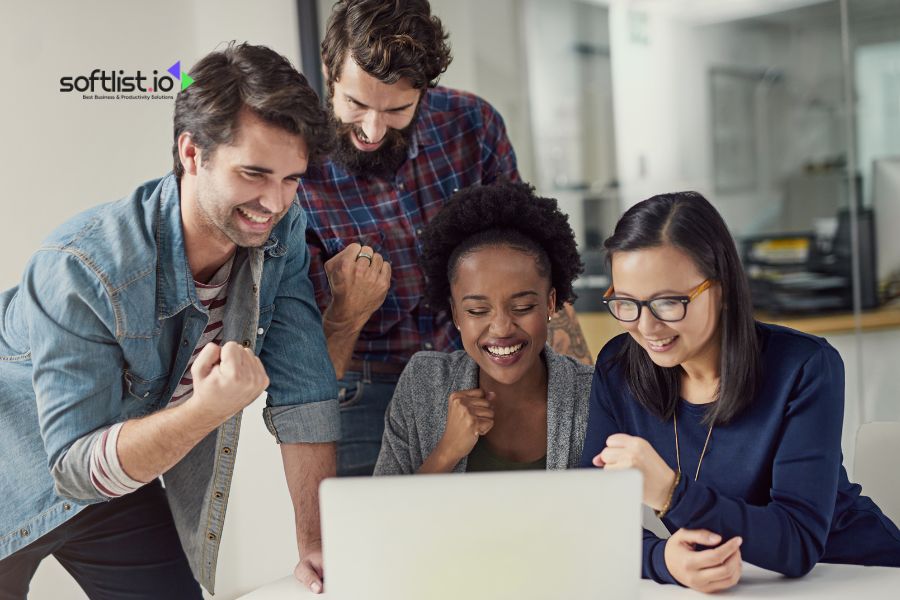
column 784, row 113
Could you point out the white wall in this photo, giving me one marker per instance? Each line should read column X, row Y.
column 62, row 154
column 661, row 58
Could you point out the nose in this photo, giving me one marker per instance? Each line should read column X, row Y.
column 373, row 126
column 501, row 324
column 648, row 323
column 277, row 197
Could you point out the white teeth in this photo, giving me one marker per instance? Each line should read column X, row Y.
column 252, row 217
column 661, row 343
column 504, row 350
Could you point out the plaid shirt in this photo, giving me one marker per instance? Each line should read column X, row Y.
column 459, row 140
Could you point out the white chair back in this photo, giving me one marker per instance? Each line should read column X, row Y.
column 876, row 467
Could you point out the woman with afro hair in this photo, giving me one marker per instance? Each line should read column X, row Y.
column 501, row 260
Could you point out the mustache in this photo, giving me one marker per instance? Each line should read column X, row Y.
column 391, row 137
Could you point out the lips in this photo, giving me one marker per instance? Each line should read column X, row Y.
column 254, row 217
column 662, row 344
column 504, row 350
column 254, row 221
column 505, row 353
column 364, row 145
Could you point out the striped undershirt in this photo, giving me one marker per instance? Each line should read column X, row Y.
column 107, row 474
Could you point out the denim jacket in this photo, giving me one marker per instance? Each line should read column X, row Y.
column 101, row 329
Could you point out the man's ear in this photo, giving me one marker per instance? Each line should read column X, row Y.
column 188, row 153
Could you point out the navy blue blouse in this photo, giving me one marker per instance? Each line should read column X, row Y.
column 773, row 476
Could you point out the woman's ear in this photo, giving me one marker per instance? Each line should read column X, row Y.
column 551, row 302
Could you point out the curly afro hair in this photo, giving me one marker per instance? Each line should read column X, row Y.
column 500, row 214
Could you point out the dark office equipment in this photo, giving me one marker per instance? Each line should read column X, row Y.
column 592, row 284
column 792, row 273
column 868, row 264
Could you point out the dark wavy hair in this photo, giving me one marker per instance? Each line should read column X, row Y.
column 499, row 214
column 689, row 222
column 388, row 39
column 253, row 77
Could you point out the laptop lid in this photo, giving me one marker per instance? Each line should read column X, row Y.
column 483, row 536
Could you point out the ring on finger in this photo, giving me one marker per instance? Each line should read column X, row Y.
column 365, row 255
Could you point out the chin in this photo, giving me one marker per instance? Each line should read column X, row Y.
column 511, row 374
column 664, row 362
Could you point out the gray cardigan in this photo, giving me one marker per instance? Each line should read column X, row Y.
column 417, row 416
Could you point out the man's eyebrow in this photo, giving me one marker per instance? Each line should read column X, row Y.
column 267, row 171
column 256, row 169
column 364, row 105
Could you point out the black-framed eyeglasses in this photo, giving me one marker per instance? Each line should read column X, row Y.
column 665, row 308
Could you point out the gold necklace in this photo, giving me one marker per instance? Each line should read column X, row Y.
column 678, row 453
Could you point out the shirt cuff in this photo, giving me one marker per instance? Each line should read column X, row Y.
column 107, row 474
column 660, row 572
column 679, row 505
column 311, row 423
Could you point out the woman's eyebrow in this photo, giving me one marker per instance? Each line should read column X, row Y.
column 516, row 295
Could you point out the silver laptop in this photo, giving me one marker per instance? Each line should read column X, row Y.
column 542, row 535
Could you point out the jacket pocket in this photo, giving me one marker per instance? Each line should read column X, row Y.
column 147, row 391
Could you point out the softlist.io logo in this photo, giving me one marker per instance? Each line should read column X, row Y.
column 115, row 84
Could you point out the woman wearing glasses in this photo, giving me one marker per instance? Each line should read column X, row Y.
column 500, row 261
column 735, row 425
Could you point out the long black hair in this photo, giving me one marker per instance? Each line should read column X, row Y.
column 687, row 221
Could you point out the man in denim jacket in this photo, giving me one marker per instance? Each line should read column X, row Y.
column 142, row 328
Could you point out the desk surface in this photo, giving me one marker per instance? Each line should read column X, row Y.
column 838, row 582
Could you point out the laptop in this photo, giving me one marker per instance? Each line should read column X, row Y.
column 542, row 535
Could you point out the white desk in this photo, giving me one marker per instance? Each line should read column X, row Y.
column 838, row 582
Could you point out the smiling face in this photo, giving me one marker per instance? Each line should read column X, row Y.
column 244, row 188
column 501, row 304
column 667, row 271
column 374, row 120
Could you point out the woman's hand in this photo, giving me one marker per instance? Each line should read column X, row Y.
column 469, row 415
column 706, row 571
column 629, row 452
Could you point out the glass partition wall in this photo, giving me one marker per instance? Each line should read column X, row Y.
column 784, row 113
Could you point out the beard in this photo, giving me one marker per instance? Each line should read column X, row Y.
column 219, row 220
column 382, row 162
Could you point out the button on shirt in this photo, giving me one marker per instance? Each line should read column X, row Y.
column 459, row 140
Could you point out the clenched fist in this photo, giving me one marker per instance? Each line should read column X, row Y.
column 359, row 279
column 469, row 415
column 226, row 379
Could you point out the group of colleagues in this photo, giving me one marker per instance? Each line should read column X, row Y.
column 378, row 270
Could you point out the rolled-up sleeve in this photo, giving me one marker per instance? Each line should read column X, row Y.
column 302, row 405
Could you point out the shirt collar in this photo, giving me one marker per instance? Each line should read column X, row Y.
column 174, row 282
column 424, row 131
column 175, row 289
